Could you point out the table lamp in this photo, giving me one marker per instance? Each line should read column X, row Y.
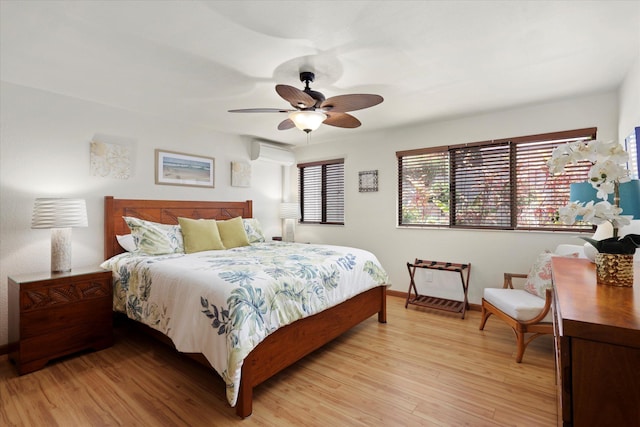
column 60, row 215
column 289, row 212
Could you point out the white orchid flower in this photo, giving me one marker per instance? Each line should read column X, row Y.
column 569, row 213
column 593, row 213
column 604, row 175
column 607, row 172
column 583, row 151
column 604, row 189
column 611, row 151
column 620, row 221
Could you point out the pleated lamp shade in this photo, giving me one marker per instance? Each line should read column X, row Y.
column 289, row 210
column 60, row 215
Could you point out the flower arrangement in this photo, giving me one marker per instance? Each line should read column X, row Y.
column 607, row 173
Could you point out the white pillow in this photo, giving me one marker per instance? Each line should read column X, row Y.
column 253, row 229
column 539, row 278
column 127, row 243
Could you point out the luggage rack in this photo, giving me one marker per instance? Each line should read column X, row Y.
column 437, row 303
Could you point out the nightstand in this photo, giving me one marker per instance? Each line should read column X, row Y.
column 56, row 314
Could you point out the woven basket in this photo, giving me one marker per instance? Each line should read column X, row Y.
column 614, row 269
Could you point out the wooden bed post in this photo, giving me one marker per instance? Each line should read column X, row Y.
column 109, row 230
column 382, row 314
column 244, row 404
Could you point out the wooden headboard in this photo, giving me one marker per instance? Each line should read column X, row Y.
column 162, row 211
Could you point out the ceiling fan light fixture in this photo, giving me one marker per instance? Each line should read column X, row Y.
column 307, row 120
column 311, row 108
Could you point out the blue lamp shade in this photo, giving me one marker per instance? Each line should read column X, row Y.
column 629, row 196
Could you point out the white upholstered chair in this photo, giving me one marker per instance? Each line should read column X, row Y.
column 527, row 310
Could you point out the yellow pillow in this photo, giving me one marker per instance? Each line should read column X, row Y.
column 232, row 233
column 200, row 235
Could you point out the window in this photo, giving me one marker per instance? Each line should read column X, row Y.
column 502, row 184
column 631, row 145
column 321, row 187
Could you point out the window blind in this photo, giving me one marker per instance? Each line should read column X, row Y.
column 500, row 184
column 321, row 187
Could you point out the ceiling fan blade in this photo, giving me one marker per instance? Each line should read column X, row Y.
column 286, row 124
column 344, row 103
column 295, row 97
column 261, row 110
column 341, row 120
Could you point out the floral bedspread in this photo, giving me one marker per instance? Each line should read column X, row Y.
column 224, row 303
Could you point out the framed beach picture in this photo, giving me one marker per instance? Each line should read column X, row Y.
column 184, row 169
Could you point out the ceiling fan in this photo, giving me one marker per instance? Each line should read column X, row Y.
column 312, row 108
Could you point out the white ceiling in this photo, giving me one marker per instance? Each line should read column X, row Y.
column 193, row 60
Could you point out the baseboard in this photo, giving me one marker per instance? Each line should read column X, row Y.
column 474, row 307
column 396, row 293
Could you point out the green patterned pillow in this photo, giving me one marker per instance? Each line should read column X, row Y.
column 253, row 229
column 152, row 238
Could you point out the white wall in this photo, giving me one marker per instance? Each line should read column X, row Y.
column 630, row 101
column 44, row 152
column 370, row 218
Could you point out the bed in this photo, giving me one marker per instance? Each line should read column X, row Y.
column 280, row 347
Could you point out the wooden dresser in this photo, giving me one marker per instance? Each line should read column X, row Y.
column 56, row 314
column 597, row 336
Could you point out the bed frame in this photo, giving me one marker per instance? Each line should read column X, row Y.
column 285, row 346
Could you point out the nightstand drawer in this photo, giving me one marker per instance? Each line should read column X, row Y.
column 59, row 318
column 67, row 341
column 45, row 297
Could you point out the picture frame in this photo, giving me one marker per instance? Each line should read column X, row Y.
column 173, row 168
column 108, row 160
column 368, row 181
column 240, row 174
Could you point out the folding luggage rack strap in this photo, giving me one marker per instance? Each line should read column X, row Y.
column 413, row 297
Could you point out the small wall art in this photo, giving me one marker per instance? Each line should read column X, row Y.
column 368, row 181
column 240, row 174
column 110, row 160
column 184, row 169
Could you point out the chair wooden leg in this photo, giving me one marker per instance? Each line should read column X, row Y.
column 485, row 315
column 520, row 328
column 520, row 345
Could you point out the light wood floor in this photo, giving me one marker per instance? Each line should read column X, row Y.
column 421, row 368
